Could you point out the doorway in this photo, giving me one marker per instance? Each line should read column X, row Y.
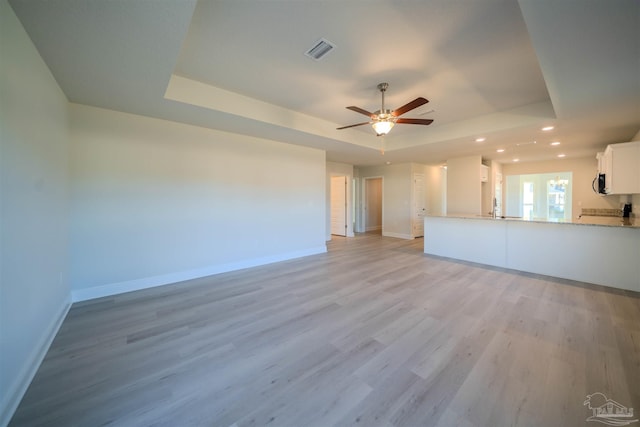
column 339, row 205
column 372, row 215
column 419, row 205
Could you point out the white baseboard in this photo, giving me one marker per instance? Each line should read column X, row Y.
column 167, row 279
column 15, row 392
column 398, row 235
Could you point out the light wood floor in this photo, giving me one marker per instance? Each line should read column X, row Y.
column 373, row 333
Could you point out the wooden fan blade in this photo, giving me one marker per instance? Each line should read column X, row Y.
column 415, row 121
column 410, row 106
column 352, row 126
column 360, row 110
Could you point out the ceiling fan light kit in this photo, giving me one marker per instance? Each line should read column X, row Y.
column 383, row 120
column 383, row 127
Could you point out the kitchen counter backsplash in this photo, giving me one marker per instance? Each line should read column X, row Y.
column 601, row 212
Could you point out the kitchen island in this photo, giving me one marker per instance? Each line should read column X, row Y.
column 606, row 253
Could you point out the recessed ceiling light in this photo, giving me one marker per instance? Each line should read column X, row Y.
column 388, row 163
column 516, row 160
column 555, row 143
column 481, row 139
column 500, row 150
column 561, row 155
column 547, row 128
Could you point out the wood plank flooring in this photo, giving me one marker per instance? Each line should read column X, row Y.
column 373, row 333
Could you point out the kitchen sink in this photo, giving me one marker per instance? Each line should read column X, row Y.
column 499, row 217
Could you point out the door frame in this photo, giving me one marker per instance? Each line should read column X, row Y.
column 345, row 205
column 363, row 221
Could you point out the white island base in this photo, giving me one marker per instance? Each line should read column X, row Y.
column 602, row 255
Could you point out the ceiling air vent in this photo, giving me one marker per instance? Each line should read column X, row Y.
column 320, row 49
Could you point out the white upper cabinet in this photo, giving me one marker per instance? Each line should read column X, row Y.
column 621, row 165
column 484, row 173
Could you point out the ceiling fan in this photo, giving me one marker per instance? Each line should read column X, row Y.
column 383, row 120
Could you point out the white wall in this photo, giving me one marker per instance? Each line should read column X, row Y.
column 436, row 189
column 339, row 169
column 34, row 290
column 154, row 202
column 464, row 188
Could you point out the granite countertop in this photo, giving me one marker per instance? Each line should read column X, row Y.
column 611, row 221
column 604, row 221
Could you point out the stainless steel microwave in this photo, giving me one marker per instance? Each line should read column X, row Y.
column 599, row 183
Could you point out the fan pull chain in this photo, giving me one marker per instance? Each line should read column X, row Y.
column 382, row 146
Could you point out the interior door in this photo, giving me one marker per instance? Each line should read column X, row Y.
column 419, row 206
column 339, row 205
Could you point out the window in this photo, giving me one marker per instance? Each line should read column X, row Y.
column 539, row 196
column 556, row 198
